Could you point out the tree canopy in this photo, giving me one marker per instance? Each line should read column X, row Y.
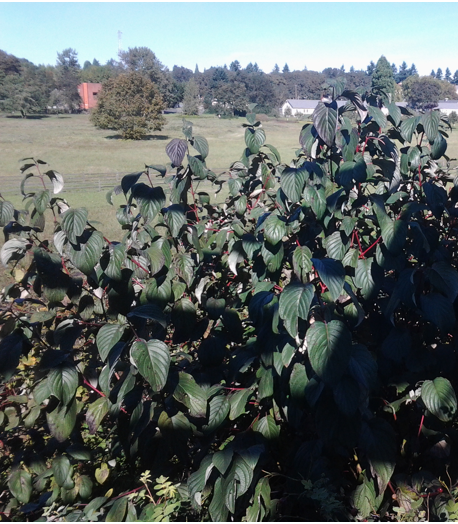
column 131, row 104
column 383, row 84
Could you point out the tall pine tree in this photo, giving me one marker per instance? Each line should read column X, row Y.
column 383, row 84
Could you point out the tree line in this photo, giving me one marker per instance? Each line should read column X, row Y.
column 224, row 90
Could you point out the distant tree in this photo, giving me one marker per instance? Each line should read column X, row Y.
column 95, row 62
column 68, row 79
column 342, row 69
column 249, row 68
column 9, row 64
column 453, row 118
column 181, row 74
column 394, row 69
column 402, row 74
column 196, row 70
column 423, row 92
column 219, row 75
column 285, row 68
column 98, row 73
column 448, row 75
column 432, row 74
column 131, row 104
column 231, row 98
column 383, row 83
column 235, row 66
column 256, row 68
column 370, row 68
column 191, row 98
column 448, row 90
column 413, row 70
column 439, row 74
column 276, row 69
column 87, row 65
column 352, row 69
column 455, row 78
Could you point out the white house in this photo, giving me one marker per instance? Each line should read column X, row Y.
column 447, row 106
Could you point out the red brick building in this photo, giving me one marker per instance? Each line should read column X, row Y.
column 88, row 93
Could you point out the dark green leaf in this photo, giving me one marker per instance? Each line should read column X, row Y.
column 222, row 459
column 336, row 245
column 85, row 256
column 73, row 223
column 439, row 310
column 219, row 407
column 294, row 303
column 274, row 229
column 20, row 485
column 63, row 382
column 254, row 139
column 440, row 399
column 41, row 200
column 332, row 274
column 238, row 402
column 152, row 359
column 151, row 312
column 6, row 212
column 197, row 167
column 267, row 427
column 377, row 116
column 439, row 147
column 61, row 468
column 293, row 182
column 430, row 122
column 191, row 395
column 329, row 348
column 61, row 421
column 325, row 121
column 200, row 144
column 107, row 337
column 117, row 511
column 302, row 262
column 96, row 412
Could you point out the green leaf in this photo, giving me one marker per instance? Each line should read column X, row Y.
column 217, row 509
column 96, row 412
column 294, row 303
column 175, row 219
column 238, row 402
column 298, row 380
column 364, row 498
column 62, row 469
column 377, row 116
column 6, row 212
column 117, row 511
column 273, row 256
column 84, row 485
column 73, row 223
column 191, row 395
column 302, row 262
column 430, row 122
column 267, row 427
column 107, row 336
column 254, row 139
column 329, row 349
column 274, row 229
column 85, row 256
column 315, row 198
column 176, row 151
column 438, row 147
column 222, row 459
column 184, row 266
column 200, row 144
column 20, row 485
column 236, row 255
column 63, row 382
column 365, row 277
column 150, row 200
column 395, row 113
column 151, row 312
column 219, row 407
column 394, row 234
column 336, row 245
column 409, row 126
column 293, row 182
column 325, row 121
column 41, row 200
column 332, row 274
column 378, row 441
column 13, row 249
column 152, row 359
column 274, row 151
column 197, row 167
column 61, row 421
column 440, row 399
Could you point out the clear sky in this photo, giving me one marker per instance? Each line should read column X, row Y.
column 311, row 34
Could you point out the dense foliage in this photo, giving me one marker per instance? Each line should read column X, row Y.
column 129, row 103
column 289, row 355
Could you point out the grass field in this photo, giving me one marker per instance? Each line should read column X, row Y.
column 75, row 148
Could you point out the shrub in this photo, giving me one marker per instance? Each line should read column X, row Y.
column 288, row 355
column 129, row 103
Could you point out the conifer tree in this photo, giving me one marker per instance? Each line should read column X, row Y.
column 383, row 83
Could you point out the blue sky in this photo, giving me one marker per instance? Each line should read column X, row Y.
column 311, row 34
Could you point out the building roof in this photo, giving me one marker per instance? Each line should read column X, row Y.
column 308, row 104
column 447, row 104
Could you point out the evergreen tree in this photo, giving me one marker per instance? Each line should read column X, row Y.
column 352, row 69
column 455, row 78
column 235, row 66
column 439, row 74
column 370, row 69
column 256, row 68
column 342, row 68
column 383, row 83
column 413, row 70
column 276, row 69
column 448, row 75
column 249, row 68
column 67, row 80
column 191, row 98
column 433, row 74
column 196, row 70
column 285, row 68
column 402, row 74
column 87, row 65
column 95, row 63
column 394, row 69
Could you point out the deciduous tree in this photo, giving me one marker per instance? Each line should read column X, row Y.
column 131, row 104
column 191, row 98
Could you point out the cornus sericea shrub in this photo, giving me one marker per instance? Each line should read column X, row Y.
column 288, row 355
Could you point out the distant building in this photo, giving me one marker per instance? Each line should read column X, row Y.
column 447, row 106
column 306, row 107
column 88, row 93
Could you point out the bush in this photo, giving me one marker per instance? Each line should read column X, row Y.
column 129, row 103
column 289, row 355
